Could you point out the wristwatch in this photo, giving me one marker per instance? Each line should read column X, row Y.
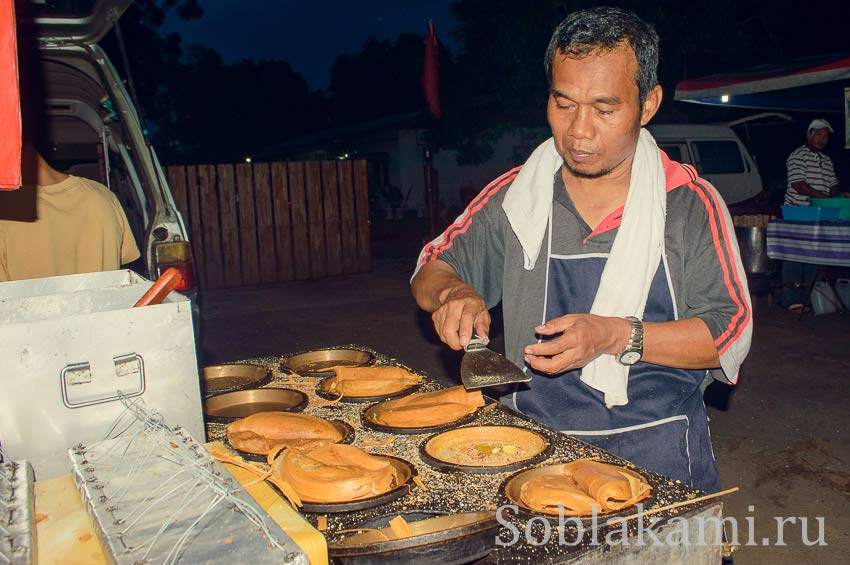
column 634, row 348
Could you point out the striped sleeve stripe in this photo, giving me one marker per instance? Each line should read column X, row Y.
column 717, row 224
column 461, row 225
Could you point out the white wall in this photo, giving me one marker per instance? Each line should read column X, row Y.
column 511, row 150
column 405, row 156
column 411, row 169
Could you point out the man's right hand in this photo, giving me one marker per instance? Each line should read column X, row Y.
column 461, row 313
column 457, row 310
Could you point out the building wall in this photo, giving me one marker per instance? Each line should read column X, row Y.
column 411, row 169
column 400, row 153
column 458, row 183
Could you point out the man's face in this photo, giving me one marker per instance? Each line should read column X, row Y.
column 818, row 138
column 594, row 111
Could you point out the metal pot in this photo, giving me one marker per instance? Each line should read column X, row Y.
column 753, row 244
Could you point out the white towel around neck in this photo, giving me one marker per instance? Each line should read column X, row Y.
column 635, row 254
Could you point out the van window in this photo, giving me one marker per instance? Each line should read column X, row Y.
column 673, row 152
column 718, row 157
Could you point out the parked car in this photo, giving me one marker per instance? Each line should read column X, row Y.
column 94, row 130
column 717, row 153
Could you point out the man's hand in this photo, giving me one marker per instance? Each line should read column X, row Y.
column 584, row 337
column 457, row 310
column 462, row 311
column 684, row 344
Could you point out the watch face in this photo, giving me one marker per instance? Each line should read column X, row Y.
column 630, row 357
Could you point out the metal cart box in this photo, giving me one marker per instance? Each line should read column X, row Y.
column 71, row 345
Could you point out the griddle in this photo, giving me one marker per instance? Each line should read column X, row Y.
column 468, row 492
column 319, row 362
column 231, row 406
column 455, row 467
column 216, row 379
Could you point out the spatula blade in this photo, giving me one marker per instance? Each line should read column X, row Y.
column 482, row 367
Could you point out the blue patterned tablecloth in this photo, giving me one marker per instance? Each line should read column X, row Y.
column 820, row 243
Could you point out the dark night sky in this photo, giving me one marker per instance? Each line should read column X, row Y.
column 309, row 34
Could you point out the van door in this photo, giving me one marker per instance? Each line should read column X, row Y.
column 727, row 165
column 78, row 22
column 67, row 33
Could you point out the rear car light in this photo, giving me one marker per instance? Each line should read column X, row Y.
column 178, row 255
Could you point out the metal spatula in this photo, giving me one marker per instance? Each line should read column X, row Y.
column 482, row 367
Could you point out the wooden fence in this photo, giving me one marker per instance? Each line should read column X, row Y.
column 255, row 223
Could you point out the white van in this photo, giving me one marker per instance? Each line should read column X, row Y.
column 93, row 127
column 716, row 152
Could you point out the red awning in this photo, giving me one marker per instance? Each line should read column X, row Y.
column 810, row 84
column 10, row 101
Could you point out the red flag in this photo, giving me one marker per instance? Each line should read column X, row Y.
column 431, row 72
column 10, row 101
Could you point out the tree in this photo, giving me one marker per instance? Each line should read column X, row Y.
column 382, row 79
column 227, row 112
column 154, row 58
column 197, row 107
column 502, row 43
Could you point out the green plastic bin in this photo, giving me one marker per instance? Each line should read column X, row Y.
column 842, row 203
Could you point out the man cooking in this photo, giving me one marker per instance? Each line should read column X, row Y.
column 618, row 270
column 810, row 175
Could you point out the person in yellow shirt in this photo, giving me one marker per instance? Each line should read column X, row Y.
column 58, row 224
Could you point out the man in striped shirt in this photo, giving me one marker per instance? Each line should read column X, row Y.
column 810, row 171
column 810, row 174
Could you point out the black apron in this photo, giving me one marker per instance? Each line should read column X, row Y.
column 664, row 427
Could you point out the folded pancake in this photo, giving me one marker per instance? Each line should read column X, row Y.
column 427, row 409
column 369, row 381
column 583, row 484
column 335, row 473
column 545, row 493
column 611, row 486
column 262, row 432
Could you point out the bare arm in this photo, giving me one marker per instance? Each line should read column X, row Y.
column 804, row 189
column 434, row 279
column 835, row 190
column 685, row 344
column 456, row 309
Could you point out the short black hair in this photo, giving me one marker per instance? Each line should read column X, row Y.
column 603, row 29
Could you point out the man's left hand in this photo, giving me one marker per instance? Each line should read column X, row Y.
column 584, row 337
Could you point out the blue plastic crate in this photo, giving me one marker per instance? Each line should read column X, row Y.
column 810, row 213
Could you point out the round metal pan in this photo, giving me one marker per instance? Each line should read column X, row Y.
column 366, row 419
column 430, row 448
column 510, row 491
column 361, row 399
column 216, row 379
column 405, row 472
column 317, row 363
column 443, row 538
column 230, row 406
column 346, row 431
